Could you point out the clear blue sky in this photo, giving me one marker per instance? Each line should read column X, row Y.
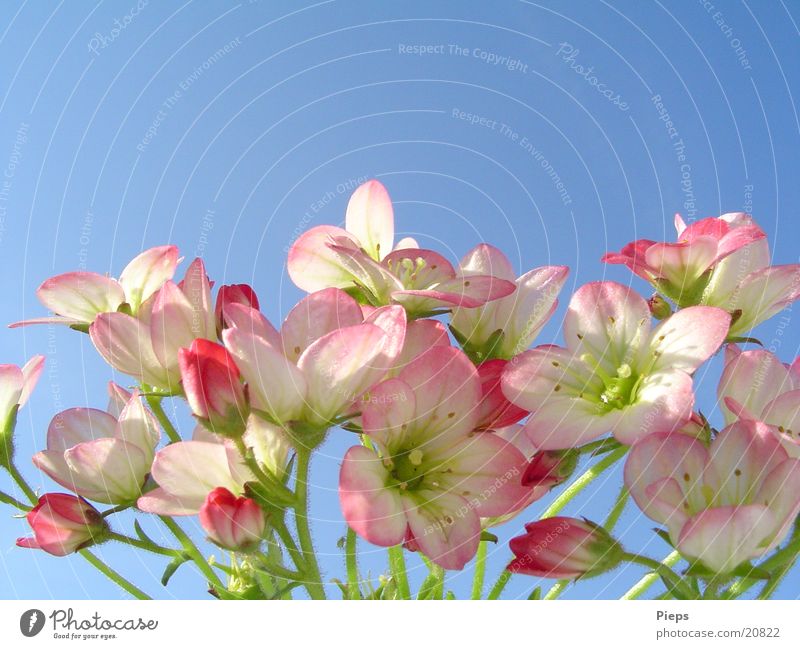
column 224, row 127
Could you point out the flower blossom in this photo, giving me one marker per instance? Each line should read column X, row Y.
column 431, row 476
column 361, row 259
column 722, row 505
column 755, row 385
column 507, row 326
column 99, row 456
column 616, row 373
column 63, row 524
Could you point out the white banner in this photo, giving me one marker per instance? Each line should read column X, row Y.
column 396, row 624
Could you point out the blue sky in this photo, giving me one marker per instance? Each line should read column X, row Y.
column 224, row 127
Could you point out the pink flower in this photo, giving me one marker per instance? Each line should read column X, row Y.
column 506, row 327
column 550, row 468
column 78, row 297
column 234, row 523
column 146, row 346
column 186, row 472
column 616, row 372
column 361, row 259
column 16, row 385
column 681, row 270
column 430, row 476
column 213, row 387
column 99, row 456
column 722, row 505
column 564, row 548
column 324, row 358
column 756, row 385
column 63, row 524
column 739, row 278
column 233, row 294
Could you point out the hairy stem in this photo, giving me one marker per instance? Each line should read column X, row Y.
column 113, row 575
column 397, row 566
column 480, row 570
column 191, row 549
column 641, row 587
column 351, row 563
column 154, row 401
column 314, row 586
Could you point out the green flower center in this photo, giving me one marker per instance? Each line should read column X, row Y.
column 406, row 469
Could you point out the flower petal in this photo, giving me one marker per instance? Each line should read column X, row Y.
column 687, row 339
column 316, row 315
column 77, row 425
column 81, row 295
column 312, row 265
column 370, row 218
column 372, row 509
column 147, row 272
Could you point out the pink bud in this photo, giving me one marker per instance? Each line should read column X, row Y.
column 213, row 388
column 564, row 548
column 233, row 294
column 233, row 523
column 550, row 468
column 63, row 524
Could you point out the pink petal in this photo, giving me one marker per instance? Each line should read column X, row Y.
column 147, row 272
column 387, row 409
column 173, row 324
column 251, row 321
column 443, row 527
column 606, row 320
column 315, row 316
column 81, row 295
column 418, row 268
column 275, row 384
column 111, row 470
column 31, row 372
column 370, row 218
column 682, row 264
column 662, row 456
column 752, row 379
column 471, row 291
column 566, row 422
column 484, row 259
column 137, row 426
column 487, row 472
column 420, row 336
column 779, row 492
column 197, row 289
column 687, row 339
column 447, row 390
column 724, row 537
column 312, row 265
column 763, row 294
column 372, row 509
column 124, row 343
column 393, row 321
column 77, row 425
column 11, row 382
column 187, row 472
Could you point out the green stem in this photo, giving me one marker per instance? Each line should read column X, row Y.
column 640, row 587
column 10, row 500
column 599, row 447
column 397, row 566
column 584, row 481
column 191, row 549
column 659, row 568
column 154, row 402
column 277, row 570
column 291, row 546
column 113, row 575
column 314, row 585
column 351, row 563
column 500, row 584
column 144, row 545
column 480, row 570
column 13, row 471
column 438, row 589
column 612, row 519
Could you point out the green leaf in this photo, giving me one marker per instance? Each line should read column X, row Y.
column 486, row 535
column 172, row 566
column 744, row 339
column 536, row 593
column 140, row 533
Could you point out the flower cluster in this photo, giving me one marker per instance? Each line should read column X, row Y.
column 457, row 425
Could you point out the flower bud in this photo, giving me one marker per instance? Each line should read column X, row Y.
column 232, row 523
column 564, row 548
column 63, row 524
column 659, row 307
column 550, row 468
column 213, row 387
column 233, row 294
